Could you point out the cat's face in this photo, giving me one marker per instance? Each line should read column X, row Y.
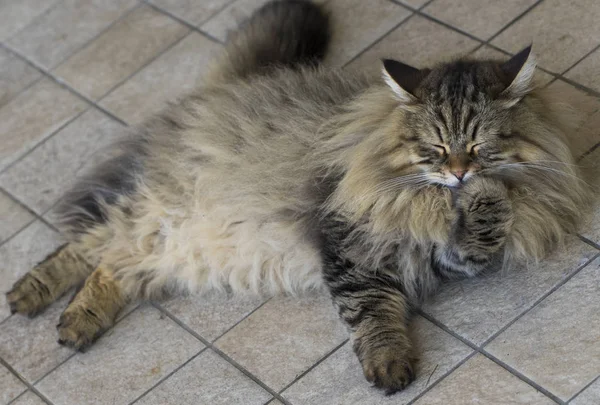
column 460, row 116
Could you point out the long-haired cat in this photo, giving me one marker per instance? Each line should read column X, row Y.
column 281, row 175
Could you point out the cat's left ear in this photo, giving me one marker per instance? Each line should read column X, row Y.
column 519, row 71
column 403, row 79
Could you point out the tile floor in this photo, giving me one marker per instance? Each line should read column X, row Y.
column 75, row 73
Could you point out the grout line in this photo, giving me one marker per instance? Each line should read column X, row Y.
column 584, row 388
column 12, row 401
column 581, row 59
column 513, row 21
column 442, row 377
column 522, row 377
column 31, row 211
column 591, row 150
column 308, row 370
column 34, row 20
column 220, row 353
column 543, row 297
column 168, row 375
column 24, row 381
column 243, row 319
column 588, row 241
column 191, row 26
column 379, row 39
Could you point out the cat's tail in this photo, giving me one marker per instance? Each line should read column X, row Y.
column 281, row 33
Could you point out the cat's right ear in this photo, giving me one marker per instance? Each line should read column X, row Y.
column 402, row 79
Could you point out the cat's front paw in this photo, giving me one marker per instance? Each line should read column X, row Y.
column 389, row 367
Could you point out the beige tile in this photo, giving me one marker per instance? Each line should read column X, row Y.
column 192, row 11
column 211, row 315
column 587, row 135
column 339, row 379
column 12, row 216
column 129, row 44
column 124, row 363
column 21, row 253
column 556, row 343
column 430, row 43
column 480, row 381
column 587, row 72
column 11, row 386
column 208, row 379
column 487, row 52
column 590, row 396
column 562, row 31
column 66, row 27
column 230, row 17
column 357, row 24
column 478, row 308
column 274, row 402
column 29, row 398
column 29, row 345
column 15, row 75
column 43, row 176
column 32, row 116
column 295, row 332
column 15, row 15
column 479, row 18
column 176, row 72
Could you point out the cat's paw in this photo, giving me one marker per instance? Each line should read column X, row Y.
column 485, row 207
column 29, row 296
column 389, row 368
column 79, row 326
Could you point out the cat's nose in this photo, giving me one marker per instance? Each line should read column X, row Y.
column 459, row 174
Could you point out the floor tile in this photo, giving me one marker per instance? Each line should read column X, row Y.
column 32, row 116
column 21, row 253
column 12, row 217
column 563, row 32
column 413, row 3
column 587, row 134
column 487, row 52
column 66, row 27
column 41, row 178
column 591, row 395
column 481, row 381
column 29, row 345
column 556, row 343
column 176, row 72
column 29, row 398
column 124, row 363
column 586, row 72
column 211, row 315
column 478, row 308
column 339, row 379
column 219, row 382
column 127, row 46
column 11, row 386
column 357, row 24
column 271, row 337
column 479, row 18
column 431, row 43
column 192, row 11
column 15, row 75
column 15, row 15
column 230, row 17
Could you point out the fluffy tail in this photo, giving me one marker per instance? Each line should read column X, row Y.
column 281, row 33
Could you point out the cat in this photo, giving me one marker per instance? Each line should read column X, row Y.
column 280, row 174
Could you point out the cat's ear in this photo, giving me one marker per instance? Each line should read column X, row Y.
column 519, row 72
column 402, row 79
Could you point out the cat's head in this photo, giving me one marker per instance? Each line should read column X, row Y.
column 460, row 116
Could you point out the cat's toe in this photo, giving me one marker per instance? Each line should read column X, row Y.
column 78, row 328
column 391, row 373
column 28, row 297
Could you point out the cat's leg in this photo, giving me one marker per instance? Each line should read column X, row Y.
column 93, row 310
column 48, row 281
column 377, row 312
column 484, row 219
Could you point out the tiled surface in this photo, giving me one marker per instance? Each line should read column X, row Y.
column 130, row 57
column 481, row 381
